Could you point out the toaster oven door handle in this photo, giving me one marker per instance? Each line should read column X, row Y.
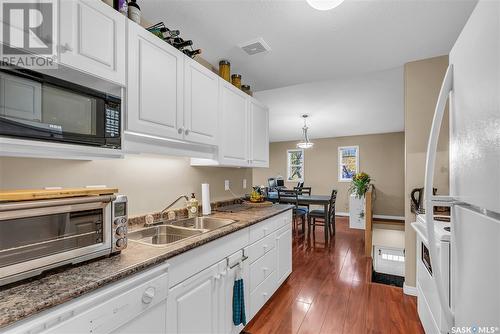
column 55, row 202
column 16, row 214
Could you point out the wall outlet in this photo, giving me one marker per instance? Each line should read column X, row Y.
column 244, row 183
column 226, row 185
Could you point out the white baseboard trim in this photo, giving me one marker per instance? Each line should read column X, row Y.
column 409, row 290
column 346, row 214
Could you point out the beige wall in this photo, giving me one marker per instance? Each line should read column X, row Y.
column 150, row 182
column 380, row 155
column 422, row 84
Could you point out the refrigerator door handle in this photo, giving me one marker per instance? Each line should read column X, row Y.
column 446, row 89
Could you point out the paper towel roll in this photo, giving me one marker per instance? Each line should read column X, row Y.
column 205, row 199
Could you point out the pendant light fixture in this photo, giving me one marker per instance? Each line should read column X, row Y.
column 324, row 4
column 305, row 143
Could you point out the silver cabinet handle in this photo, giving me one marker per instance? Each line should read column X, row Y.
column 180, row 130
column 186, row 132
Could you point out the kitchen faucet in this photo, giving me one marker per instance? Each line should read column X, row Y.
column 150, row 219
column 171, row 204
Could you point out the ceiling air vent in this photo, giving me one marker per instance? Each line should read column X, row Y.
column 255, row 46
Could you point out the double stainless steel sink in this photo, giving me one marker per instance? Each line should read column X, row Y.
column 168, row 233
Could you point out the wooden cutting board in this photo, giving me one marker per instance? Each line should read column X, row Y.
column 258, row 204
column 35, row 194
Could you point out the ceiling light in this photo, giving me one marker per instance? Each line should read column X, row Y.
column 305, row 143
column 324, row 4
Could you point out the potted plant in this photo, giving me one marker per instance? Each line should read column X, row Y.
column 360, row 184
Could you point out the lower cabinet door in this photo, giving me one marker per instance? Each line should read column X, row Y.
column 284, row 253
column 193, row 305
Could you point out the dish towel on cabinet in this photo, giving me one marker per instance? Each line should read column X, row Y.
column 239, row 301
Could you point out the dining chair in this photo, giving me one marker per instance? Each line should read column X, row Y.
column 292, row 197
column 322, row 216
column 304, row 191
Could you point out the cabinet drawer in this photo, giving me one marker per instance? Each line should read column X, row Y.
column 189, row 263
column 263, row 229
column 262, row 294
column 262, row 268
column 261, row 247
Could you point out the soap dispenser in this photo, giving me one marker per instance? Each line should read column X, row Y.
column 192, row 206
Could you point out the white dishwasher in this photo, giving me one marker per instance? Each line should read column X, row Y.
column 134, row 305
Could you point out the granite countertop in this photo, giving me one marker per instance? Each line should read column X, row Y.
column 29, row 297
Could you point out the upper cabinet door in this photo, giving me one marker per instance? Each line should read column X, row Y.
column 92, row 39
column 155, row 85
column 259, row 134
column 233, row 130
column 201, row 103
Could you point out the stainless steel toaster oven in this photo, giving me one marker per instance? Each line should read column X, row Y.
column 43, row 234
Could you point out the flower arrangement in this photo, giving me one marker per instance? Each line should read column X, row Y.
column 360, row 184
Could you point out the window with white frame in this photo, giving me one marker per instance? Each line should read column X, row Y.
column 295, row 165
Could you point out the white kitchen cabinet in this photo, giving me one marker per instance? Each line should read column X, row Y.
column 181, row 296
column 283, row 253
column 234, row 126
column 243, row 131
column 262, row 294
column 194, row 304
column 92, row 39
column 201, row 103
column 259, row 133
column 261, row 269
column 155, row 85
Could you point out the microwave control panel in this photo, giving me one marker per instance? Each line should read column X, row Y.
column 112, row 120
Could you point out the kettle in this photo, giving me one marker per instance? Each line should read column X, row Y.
column 417, row 200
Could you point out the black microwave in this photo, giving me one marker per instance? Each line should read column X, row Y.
column 42, row 107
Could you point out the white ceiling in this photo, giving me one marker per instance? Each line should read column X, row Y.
column 310, row 45
column 363, row 104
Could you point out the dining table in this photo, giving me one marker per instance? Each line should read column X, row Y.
column 323, row 200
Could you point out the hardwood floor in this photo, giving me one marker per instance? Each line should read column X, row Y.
column 329, row 291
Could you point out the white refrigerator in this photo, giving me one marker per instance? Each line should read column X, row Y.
column 472, row 88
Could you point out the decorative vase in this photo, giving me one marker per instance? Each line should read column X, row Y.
column 357, row 217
